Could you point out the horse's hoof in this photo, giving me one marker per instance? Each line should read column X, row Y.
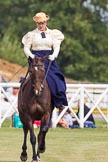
column 23, row 158
column 41, row 149
column 38, row 159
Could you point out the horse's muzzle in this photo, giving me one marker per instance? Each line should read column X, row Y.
column 38, row 92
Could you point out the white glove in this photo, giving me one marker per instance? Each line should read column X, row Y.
column 28, row 52
column 51, row 57
column 55, row 53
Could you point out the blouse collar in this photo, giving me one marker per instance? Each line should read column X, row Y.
column 39, row 31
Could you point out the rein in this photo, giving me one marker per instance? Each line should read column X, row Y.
column 17, row 72
column 46, row 73
column 43, row 82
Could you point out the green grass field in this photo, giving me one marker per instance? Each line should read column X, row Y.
column 62, row 145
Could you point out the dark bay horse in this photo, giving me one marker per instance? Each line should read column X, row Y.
column 34, row 103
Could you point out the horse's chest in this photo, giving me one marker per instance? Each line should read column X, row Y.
column 37, row 107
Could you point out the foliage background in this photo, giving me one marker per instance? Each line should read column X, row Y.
column 84, row 52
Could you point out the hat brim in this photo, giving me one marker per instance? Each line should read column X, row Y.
column 41, row 19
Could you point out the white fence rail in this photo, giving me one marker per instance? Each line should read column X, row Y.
column 96, row 96
column 9, row 107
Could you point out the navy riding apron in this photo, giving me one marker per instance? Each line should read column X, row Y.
column 55, row 80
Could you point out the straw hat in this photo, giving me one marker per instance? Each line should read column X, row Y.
column 41, row 17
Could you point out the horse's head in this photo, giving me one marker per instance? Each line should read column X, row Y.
column 37, row 73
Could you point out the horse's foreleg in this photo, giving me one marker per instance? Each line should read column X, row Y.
column 33, row 143
column 42, row 133
column 23, row 156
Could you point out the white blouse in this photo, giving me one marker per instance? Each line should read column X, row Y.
column 33, row 39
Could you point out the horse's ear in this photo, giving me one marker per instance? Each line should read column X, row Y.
column 44, row 58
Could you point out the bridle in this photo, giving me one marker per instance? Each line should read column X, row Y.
column 37, row 67
column 47, row 72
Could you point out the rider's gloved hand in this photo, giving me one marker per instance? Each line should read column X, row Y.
column 51, row 57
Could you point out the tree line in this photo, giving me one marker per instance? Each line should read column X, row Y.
column 84, row 52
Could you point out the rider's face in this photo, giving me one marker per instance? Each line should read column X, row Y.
column 42, row 25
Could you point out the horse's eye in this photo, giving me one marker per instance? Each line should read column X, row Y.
column 42, row 69
column 29, row 72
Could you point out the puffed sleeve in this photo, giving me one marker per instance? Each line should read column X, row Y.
column 27, row 39
column 58, row 36
column 27, row 42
